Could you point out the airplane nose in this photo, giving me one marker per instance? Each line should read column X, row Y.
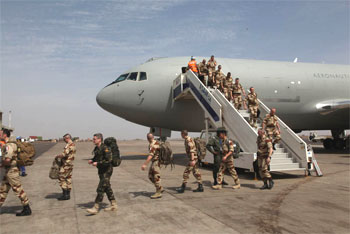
column 104, row 98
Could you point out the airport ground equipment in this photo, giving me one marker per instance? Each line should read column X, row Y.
column 291, row 153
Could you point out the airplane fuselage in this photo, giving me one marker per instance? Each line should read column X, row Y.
column 307, row 96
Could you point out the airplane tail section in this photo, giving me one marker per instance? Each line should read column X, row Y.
column 291, row 154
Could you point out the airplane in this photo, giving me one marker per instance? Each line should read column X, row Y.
column 307, row 96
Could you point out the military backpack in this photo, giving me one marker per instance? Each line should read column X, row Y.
column 166, row 154
column 201, row 147
column 55, row 168
column 111, row 143
column 25, row 153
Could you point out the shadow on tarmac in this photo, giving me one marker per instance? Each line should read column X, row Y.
column 141, row 193
column 53, row 196
column 10, row 209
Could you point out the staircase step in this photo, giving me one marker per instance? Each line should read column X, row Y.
column 284, row 166
column 281, row 161
column 279, row 150
column 280, row 155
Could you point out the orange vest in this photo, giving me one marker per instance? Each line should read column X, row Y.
column 193, row 65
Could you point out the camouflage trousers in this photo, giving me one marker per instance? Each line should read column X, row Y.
column 154, row 174
column 104, row 186
column 228, row 164
column 11, row 180
column 237, row 101
column 194, row 169
column 65, row 177
column 273, row 134
column 253, row 114
column 263, row 168
column 227, row 93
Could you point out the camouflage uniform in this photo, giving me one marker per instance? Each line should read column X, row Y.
column 103, row 157
column 264, row 145
column 227, row 146
column 211, row 70
column 253, row 105
column 154, row 170
column 228, row 87
column 215, row 146
column 270, row 122
column 219, row 77
column 11, row 177
column 237, row 95
column 203, row 70
column 65, row 173
column 191, row 148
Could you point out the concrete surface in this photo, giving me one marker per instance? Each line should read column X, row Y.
column 297, row 204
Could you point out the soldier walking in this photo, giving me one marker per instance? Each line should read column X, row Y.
column 211, row 70
column 237, row 95
column 253, row 105
column 192, row 166
column 11, row 178
column 103, row 161
column 264, row 158
column 154, row 170
column 214, row 146
column 272, row 127
column 226, row 154
column 228, row 86
column 66, row 169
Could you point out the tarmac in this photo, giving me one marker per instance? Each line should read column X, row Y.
column 297, row 204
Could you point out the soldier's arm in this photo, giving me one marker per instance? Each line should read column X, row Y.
column 264, row 123
column 192, row 149
column 70, row 155
column 278, row 126
column 106, row 160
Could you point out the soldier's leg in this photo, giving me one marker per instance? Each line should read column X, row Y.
column 235, row 102
column 186, row 174
column 108, row 187
column 4, row 189
column 240, row 101
column 233, row 173
column 14, row 181
column 157, row 180
column 197, row 174
column 277, row 136
column 221, row 172
column 61, row 178
column 251, row 117
column 269, row 132
column 255, row 108
column 100, row 189
column 262, row 169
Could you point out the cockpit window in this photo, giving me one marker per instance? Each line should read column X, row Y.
column 133, row 76
column 143, row 76
column 121, row 78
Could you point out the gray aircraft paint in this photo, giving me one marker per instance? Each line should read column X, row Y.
column 297, row 90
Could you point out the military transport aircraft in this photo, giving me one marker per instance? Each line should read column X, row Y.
column 307, row 96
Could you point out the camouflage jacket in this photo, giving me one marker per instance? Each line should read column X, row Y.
column 264, row 145
column 270, row 121
column 215, row 144
column 154, row 150
column 103, row 157
column 252, row 99
column 237, row 88
column 68, row 154
column 9, row 150
column 190, row 147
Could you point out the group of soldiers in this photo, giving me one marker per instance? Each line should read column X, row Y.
column 232, row 89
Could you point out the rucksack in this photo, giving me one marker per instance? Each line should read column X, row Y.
column 25, row 153
column 236, row 147
column 201, row 147
column 55, row 168
column 111, row 143
column 166, row 154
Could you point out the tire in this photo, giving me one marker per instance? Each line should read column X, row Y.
column 328, row 144
column 339, row 144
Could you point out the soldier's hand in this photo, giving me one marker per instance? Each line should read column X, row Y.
column 90, row 161
column 224, row 159
column 268, row 160
column 192, row 163
column 94, row 164
column 143, row 167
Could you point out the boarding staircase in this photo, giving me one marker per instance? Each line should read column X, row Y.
column 291, row 154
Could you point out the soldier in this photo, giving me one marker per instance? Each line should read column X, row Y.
column 214, row 146
column 154, row 170
column 203, row 72
column 264, row 158
column 272, row 127
column 226, row 153
column 192, row 166
column 11, row 178
column 237, row 95
column 103, row 161
column 228, row 86
column 211, row 70
column 66, row 169
column 218, row 78
column 253, row 105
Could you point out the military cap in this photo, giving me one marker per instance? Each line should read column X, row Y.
column 221, row 129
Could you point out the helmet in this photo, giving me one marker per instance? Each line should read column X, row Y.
column 221, row 129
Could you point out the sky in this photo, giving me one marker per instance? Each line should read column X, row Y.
column 56, row 55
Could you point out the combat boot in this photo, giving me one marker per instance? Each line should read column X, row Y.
column 217, row 187
column 63, row 196
column 162, row 189
column 271, row 183
column 113, row 206
column 158, row 194
column 182, row 188
column 199, row 189
column 67, row 194
column 265, row 186
column 94, row 210
column 237, row 185
column 25, row 212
